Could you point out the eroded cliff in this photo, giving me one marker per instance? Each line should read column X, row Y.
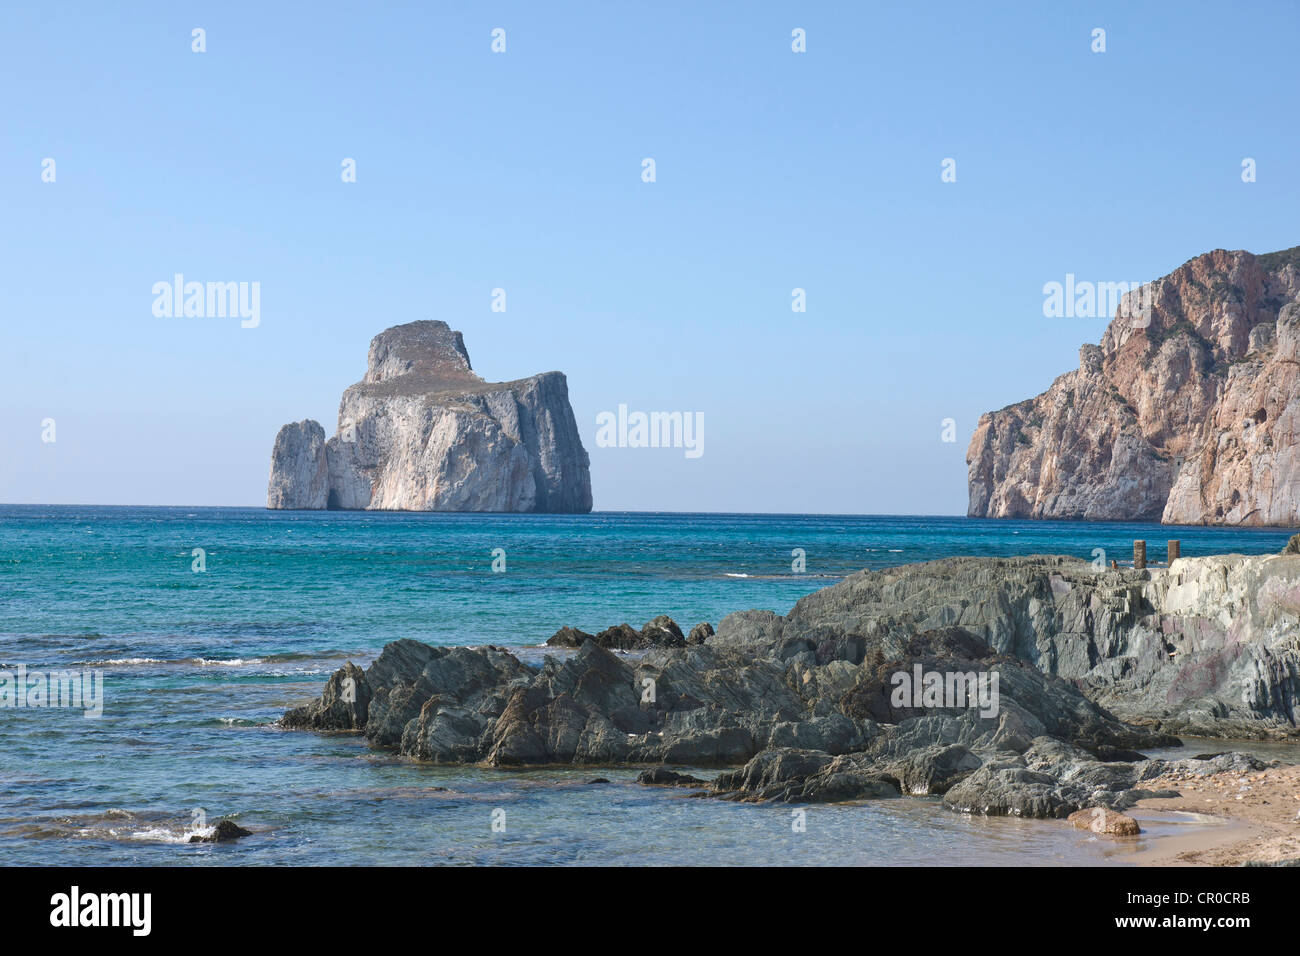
column 1187, row 412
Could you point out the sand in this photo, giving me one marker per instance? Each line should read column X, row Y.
column 1254, row 816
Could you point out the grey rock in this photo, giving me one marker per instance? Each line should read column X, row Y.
column 700, row 633
column 568, row 637
column 805, row 776
column 223, row 832
column 1206, row 648
column 661, row 632
column 717, row 703
column 662, row 777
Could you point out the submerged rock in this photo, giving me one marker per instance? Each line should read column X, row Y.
column 661, row 777
column 422, row 432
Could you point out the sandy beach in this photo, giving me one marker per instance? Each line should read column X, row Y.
column 1259, row 813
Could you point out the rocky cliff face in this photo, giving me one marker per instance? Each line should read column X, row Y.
column 422, row 432
column 1188, row 412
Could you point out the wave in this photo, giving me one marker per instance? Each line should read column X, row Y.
column 121, row 662
column 165, row 835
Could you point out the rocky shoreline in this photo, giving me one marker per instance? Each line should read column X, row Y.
column 1086, row 669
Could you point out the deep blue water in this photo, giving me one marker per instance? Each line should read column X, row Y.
column 198, row 664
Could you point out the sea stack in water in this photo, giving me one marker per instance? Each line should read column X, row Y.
column 422, row 432
column 1188, row 412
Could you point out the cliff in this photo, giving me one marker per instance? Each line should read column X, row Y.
column 422, row 432
column 1187, row 412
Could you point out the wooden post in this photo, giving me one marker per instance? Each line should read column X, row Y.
column 1139, row 555
column 1175, row 550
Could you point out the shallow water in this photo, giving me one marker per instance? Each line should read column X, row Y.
column 197, row 666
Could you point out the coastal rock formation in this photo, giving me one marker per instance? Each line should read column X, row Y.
column 1188, row 411
column 1208, row 647
column 422, row 432
column 661, row 632
column 709, row 705
column 1092, row 667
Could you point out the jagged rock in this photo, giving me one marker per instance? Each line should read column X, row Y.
column 717, row 703
column 422, row 432
column 1188, row 412
column 1207, row 648
column 568, row 637
column 343, row 705
column 933, row 770
column 223, row 832
column 661, row 632
column 805, row 776
column 1101, row 820
column 620, row 637
column 804, row 704
column 700, row 633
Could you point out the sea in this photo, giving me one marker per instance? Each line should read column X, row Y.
column 206, row 624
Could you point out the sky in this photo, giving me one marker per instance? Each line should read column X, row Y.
column 522, row 170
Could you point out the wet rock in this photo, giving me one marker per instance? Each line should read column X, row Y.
column 806, row 776
column 223, row 832
column 661, row 777
column 620, row 637
column 343, row 705
column 933, row 770
column 1101, row 820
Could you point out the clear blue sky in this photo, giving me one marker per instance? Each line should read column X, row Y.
column 522, row 170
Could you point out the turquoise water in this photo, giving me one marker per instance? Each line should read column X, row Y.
column 198, row 664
